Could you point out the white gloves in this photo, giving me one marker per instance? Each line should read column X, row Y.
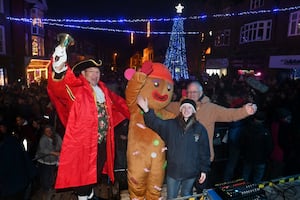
column 59, row 59
column 251, row 108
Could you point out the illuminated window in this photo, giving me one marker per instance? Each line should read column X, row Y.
column 256, row 31
column 254, row 4
column 2, row 40
column 202, row 37
column 2, row 81
column 294, row 24
column 37, row 46
column 222, row 38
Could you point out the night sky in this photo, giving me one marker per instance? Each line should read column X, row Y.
column 111, row 8
column 120, row 9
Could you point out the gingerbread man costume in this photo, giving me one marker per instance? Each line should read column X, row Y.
column 146, row 150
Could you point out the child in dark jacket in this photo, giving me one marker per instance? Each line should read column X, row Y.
column 187, row 144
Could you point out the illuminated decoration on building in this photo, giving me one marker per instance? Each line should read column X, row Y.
column 131, row 38
column 175, row 58
column 148, row 29
column 3, row 79
column 179, row 8
column 71, row 23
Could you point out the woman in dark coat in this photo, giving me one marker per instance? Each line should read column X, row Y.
column 187, row 147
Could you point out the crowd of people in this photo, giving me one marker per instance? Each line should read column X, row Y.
column 27, row 116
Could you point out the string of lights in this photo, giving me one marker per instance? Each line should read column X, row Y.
column 123, row 31
column 93, row 21
column 105, row 29
column 70, row 23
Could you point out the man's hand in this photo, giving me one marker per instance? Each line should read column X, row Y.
column 251, row 108
column 59, row 59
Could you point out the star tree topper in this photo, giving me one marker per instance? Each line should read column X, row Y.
column 179, row 8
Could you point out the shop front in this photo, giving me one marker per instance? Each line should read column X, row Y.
column 37, row 70
column 217, row 66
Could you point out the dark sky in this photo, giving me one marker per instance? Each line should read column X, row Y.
column 119, row 9
column 111, row 8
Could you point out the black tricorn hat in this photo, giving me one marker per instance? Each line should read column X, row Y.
column 77, row 68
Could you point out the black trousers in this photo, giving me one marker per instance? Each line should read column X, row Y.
column 101, row 158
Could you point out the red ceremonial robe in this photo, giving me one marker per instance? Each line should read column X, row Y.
column 75, row 103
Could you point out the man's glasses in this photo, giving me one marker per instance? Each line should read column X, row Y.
column 193, row 92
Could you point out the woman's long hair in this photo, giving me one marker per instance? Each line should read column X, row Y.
column 186, row 124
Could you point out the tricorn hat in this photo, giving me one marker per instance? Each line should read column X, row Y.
column 77, row 68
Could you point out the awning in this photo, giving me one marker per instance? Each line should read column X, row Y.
column 38, row 64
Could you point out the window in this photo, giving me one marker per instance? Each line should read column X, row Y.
column 36, row 30
column 294, row 24
column 2, row 40
column 37, row 26
column 37, row 46
column 222, row 38
column 254, row 4
column 1, row 6
column 2, row 76
column 256, row 31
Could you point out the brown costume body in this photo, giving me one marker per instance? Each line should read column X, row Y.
column 146, row 150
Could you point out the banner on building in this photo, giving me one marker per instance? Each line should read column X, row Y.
column 284, row 62
column 217, row 63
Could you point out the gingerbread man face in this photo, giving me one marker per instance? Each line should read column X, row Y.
column 158, row 92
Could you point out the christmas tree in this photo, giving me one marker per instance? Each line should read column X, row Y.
column 175, row 58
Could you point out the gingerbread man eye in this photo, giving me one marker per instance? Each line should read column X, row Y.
column 169, row 87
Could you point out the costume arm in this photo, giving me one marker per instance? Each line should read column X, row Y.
column 133, row 88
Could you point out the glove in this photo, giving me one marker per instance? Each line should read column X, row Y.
column 147, row 67
column 59, row 59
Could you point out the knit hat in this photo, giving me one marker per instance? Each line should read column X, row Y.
column 188, row 101
column 161, row 71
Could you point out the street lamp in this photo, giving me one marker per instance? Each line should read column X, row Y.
column 115, row 59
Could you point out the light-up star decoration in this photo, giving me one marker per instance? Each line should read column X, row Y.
column 179, row 8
